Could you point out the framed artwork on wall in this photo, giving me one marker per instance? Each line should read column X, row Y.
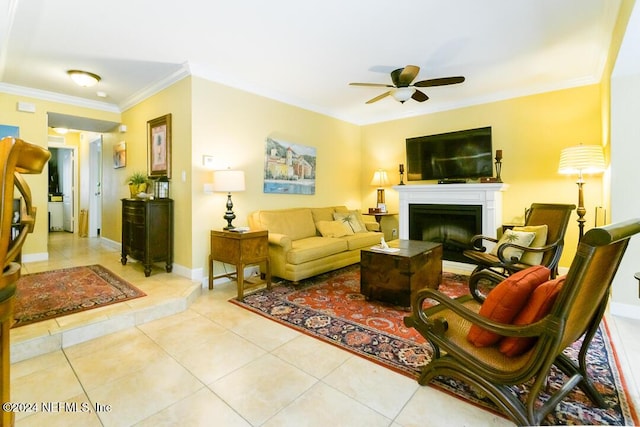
column 120, row 155
column 159, row 146
column 289, row 168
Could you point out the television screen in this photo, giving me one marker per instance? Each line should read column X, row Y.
column 465, row 154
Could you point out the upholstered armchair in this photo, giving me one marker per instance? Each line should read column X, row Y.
column 518, row 352
column 545, row 224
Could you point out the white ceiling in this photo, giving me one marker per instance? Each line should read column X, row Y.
column 305, row 53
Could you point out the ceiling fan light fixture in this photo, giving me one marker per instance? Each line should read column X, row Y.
column 402, row 94
column 84, row 78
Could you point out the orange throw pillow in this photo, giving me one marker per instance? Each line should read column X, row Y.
column 538, row 306
column 505, row 301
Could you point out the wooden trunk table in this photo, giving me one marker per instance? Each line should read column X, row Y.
column 396, row 277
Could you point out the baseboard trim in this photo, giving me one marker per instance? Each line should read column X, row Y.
column 624, row 310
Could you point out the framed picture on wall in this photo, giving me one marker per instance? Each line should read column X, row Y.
column 159, row 146
column 120, row 155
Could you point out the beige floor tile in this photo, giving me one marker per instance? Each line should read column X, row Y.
column 370, row 384
column 265, row 333
column 312, row 355
column 203, row 408
column 74, row 412
column 218, row 356
column 140, row 394
column 431, row 408
column 324, row 406
column 109, row 364
column 262, row 388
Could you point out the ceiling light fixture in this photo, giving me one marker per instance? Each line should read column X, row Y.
column 61, row 130
column 84, row 78
column 402, row 94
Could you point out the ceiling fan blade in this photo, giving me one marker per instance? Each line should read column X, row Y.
column 439, row 82
column 378, row 98
column 406, row 75
column 419, row 96
column 371, row 84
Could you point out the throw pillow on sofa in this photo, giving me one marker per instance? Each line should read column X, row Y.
column 334, row 228
column 520, row 238
column 352, row 218
column 505, row 301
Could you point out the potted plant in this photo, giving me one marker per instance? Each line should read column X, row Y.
column 138, row 182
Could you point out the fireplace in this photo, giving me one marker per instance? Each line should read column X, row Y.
column 457, row 201
column 451, row 225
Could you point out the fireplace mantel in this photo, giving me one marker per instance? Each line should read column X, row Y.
column 489, row 196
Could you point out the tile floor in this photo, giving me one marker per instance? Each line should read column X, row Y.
column 213, row 363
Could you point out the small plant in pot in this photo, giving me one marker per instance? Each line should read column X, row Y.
column 137, row 183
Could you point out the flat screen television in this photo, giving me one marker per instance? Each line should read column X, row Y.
column 452, row 156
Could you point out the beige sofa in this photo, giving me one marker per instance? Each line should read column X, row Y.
column 304, row 242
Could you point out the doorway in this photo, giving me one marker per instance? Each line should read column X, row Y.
column 63, row 176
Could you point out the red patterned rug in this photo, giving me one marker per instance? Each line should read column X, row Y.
column 330, row 307
column 56, row 293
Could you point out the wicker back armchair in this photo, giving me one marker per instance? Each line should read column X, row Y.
column 577, row 311
column 554, row 216
column 16, row 157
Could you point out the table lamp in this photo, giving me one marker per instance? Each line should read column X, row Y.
column 380, row 180
column 227, row 181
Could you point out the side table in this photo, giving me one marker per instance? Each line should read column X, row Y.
column 240, row 249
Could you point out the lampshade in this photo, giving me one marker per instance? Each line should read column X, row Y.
column 228, row 180
column 401, row 94
column 83, row 78
column 380, row 178
column 582, row 159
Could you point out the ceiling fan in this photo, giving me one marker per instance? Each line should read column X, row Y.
column 402, row 89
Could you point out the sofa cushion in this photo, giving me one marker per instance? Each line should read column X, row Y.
column 534, row 258
column 333, row 228
column 322, row 214
column 505, row 301
column 312, row 248
column 537, row 307
column 353, row 219
column 295, row 223
column 362, row 240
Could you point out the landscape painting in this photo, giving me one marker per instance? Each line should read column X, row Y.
column 289, row 168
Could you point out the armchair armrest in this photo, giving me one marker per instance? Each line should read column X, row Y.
column 281, row 240
column 476, row 242
column 527, row 249
column 427, row 319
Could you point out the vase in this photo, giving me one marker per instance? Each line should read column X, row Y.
column 136, row 189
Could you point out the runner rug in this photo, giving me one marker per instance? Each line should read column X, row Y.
column 329, row 307
column 56, row 293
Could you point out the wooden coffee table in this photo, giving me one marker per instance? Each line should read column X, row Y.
column 395, row 277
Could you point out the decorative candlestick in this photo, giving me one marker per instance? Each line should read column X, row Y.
column 498, row 165
column 401, row 170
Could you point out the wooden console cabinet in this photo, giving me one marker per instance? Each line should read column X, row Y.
column 147, row 232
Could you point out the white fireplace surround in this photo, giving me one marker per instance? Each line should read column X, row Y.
column 489, row 196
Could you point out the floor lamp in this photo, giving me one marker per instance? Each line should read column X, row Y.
column 578, row 160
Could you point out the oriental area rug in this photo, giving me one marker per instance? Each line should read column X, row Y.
column 330, row 307
column 56, row 293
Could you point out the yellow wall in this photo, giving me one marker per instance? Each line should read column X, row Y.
column 530, row 130
column 34, row 129
column 232, row 125
column 175, row 100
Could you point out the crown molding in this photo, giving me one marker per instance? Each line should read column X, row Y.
column 155, row 87
column 57, row 97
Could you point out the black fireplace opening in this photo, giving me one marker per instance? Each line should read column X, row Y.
column 451, row 225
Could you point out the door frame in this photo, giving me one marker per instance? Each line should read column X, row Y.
column 75, row 196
